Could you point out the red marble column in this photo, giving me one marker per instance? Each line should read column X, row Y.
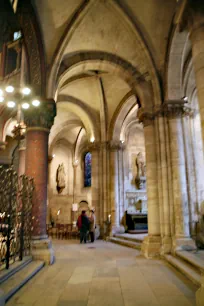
column 22, row 152
column 38, row 122
column 37, row 167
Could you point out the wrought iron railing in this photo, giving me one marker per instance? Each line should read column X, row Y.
column 15, row 216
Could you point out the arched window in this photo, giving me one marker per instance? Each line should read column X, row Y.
column 87, row 170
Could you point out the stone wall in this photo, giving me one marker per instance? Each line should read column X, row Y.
column 134, row 145
column 61, row 203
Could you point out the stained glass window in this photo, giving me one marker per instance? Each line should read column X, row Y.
column 87, row 170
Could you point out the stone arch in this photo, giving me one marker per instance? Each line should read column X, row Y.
column 55, row 134
column 78, row 143
column 120, row 115
column 142, row 58
column 83, row 205
column 80, row 62
column 175, row 62
column 80, row 109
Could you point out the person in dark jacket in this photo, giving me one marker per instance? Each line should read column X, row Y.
column 83, row 226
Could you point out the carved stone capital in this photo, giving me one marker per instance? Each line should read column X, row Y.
column 147, row 118
column 115, row 145
column 41, row 117
column 95, row 146
column 176, row 109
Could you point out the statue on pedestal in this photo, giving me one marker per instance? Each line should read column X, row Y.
column 141, row 171
column 60, row 178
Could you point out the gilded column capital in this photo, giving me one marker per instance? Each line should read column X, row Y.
column 147, row 118
column 41, row 117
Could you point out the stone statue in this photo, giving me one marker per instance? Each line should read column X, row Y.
column 60, row 178
column 141, row 171
column 140, row 165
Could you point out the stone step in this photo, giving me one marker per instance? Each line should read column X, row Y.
column 128, row 238
column 123, row 242
column 14, row 268
column 19, row 279
column 188, row 270
column 192, row 259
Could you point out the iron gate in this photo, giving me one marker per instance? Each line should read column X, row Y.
column 15, row 216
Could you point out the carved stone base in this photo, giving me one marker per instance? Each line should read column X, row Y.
column 97, row 232
column 166, row 245
column 42, row 250
column 200, row 294
column 151, row 246
column 181, row 244
column 2, row 298
column 117, row 229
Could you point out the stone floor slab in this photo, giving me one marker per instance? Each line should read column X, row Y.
column 106, row 275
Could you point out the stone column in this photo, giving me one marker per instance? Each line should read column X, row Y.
column 95, row 195
column 175, row 110
column 196, row 28
column 164, row 183
column 121, row 183
column 39, row 122
column 104, row 185
column 22, row 155
column 114, row 187
column 75, row 165
column 152, row 243
column 191, row 177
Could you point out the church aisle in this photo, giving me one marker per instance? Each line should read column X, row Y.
column 105, row 274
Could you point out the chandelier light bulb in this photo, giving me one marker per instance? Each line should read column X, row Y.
column 26, row 91
column 11, row 104
column 1, row 99
column 36, row 103
column 25, row 105
column 10, row 89
column 1, row 92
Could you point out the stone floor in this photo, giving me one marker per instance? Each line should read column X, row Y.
column 105, row 274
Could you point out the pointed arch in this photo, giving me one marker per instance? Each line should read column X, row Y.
column 145, row 63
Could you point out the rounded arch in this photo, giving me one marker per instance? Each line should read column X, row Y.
column 175, row 62
column 55, row 131
column 80, row 109
column 126, row 105
column 79, row 63
column 80, row 136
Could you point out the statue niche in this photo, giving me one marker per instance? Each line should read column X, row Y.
column 60, row 178
column 140, row 179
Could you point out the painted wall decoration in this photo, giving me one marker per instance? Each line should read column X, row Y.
column 87, row 170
